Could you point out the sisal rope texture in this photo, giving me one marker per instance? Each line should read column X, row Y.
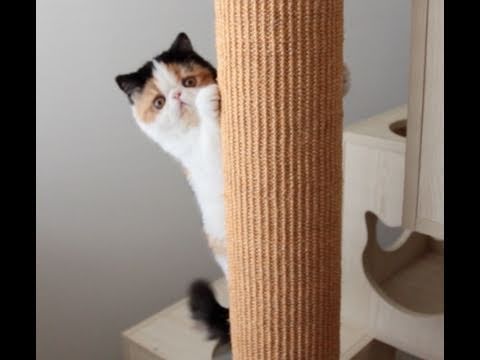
column 280, row 66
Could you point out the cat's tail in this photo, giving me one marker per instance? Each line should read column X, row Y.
column 205, row 308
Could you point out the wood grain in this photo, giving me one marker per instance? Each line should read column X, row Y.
column 424, row 180
column 418, row 38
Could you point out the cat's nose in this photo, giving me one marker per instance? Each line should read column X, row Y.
column 177, row 94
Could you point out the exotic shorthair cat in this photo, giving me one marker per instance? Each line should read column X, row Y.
column 175, row 101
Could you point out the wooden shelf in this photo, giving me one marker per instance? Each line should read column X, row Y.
column 410, row 275
column 419, row 287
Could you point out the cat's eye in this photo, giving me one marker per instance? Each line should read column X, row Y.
column 158, row 102
column 189, row 81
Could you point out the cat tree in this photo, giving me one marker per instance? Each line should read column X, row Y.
column 280, row 66
column 280, row 74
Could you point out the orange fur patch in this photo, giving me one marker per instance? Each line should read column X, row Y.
column 144, row 102
column 202, row 75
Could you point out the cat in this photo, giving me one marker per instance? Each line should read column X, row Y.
column 175, row 101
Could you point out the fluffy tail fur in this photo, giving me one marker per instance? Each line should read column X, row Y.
column 205, row 308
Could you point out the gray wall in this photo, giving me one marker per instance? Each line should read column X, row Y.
column 377, row 46
column 118, row 232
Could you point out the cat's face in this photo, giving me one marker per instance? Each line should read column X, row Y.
column 163, row 91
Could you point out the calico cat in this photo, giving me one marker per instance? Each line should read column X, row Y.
column 175, row 101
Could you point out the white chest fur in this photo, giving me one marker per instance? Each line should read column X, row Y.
column 205, row 176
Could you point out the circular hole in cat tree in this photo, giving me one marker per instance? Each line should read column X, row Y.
column 411, row 276
column 399, row 127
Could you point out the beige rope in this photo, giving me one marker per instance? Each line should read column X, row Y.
column 280, row 66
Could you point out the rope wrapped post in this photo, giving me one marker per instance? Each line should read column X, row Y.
column 280, row 72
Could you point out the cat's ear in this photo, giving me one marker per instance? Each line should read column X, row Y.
column 182, row 43
column 129, row 83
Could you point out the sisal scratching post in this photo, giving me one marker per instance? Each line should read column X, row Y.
column 280, row 66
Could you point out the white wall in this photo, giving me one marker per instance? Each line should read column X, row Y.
column 118, row 232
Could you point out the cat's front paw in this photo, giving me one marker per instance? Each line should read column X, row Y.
column 208, row 102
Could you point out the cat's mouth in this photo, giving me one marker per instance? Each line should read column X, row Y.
column 181, row 102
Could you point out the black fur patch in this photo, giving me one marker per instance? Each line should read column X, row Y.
column 182, row 43
column 133, row 82
column 205, row 308
column 182, row 52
